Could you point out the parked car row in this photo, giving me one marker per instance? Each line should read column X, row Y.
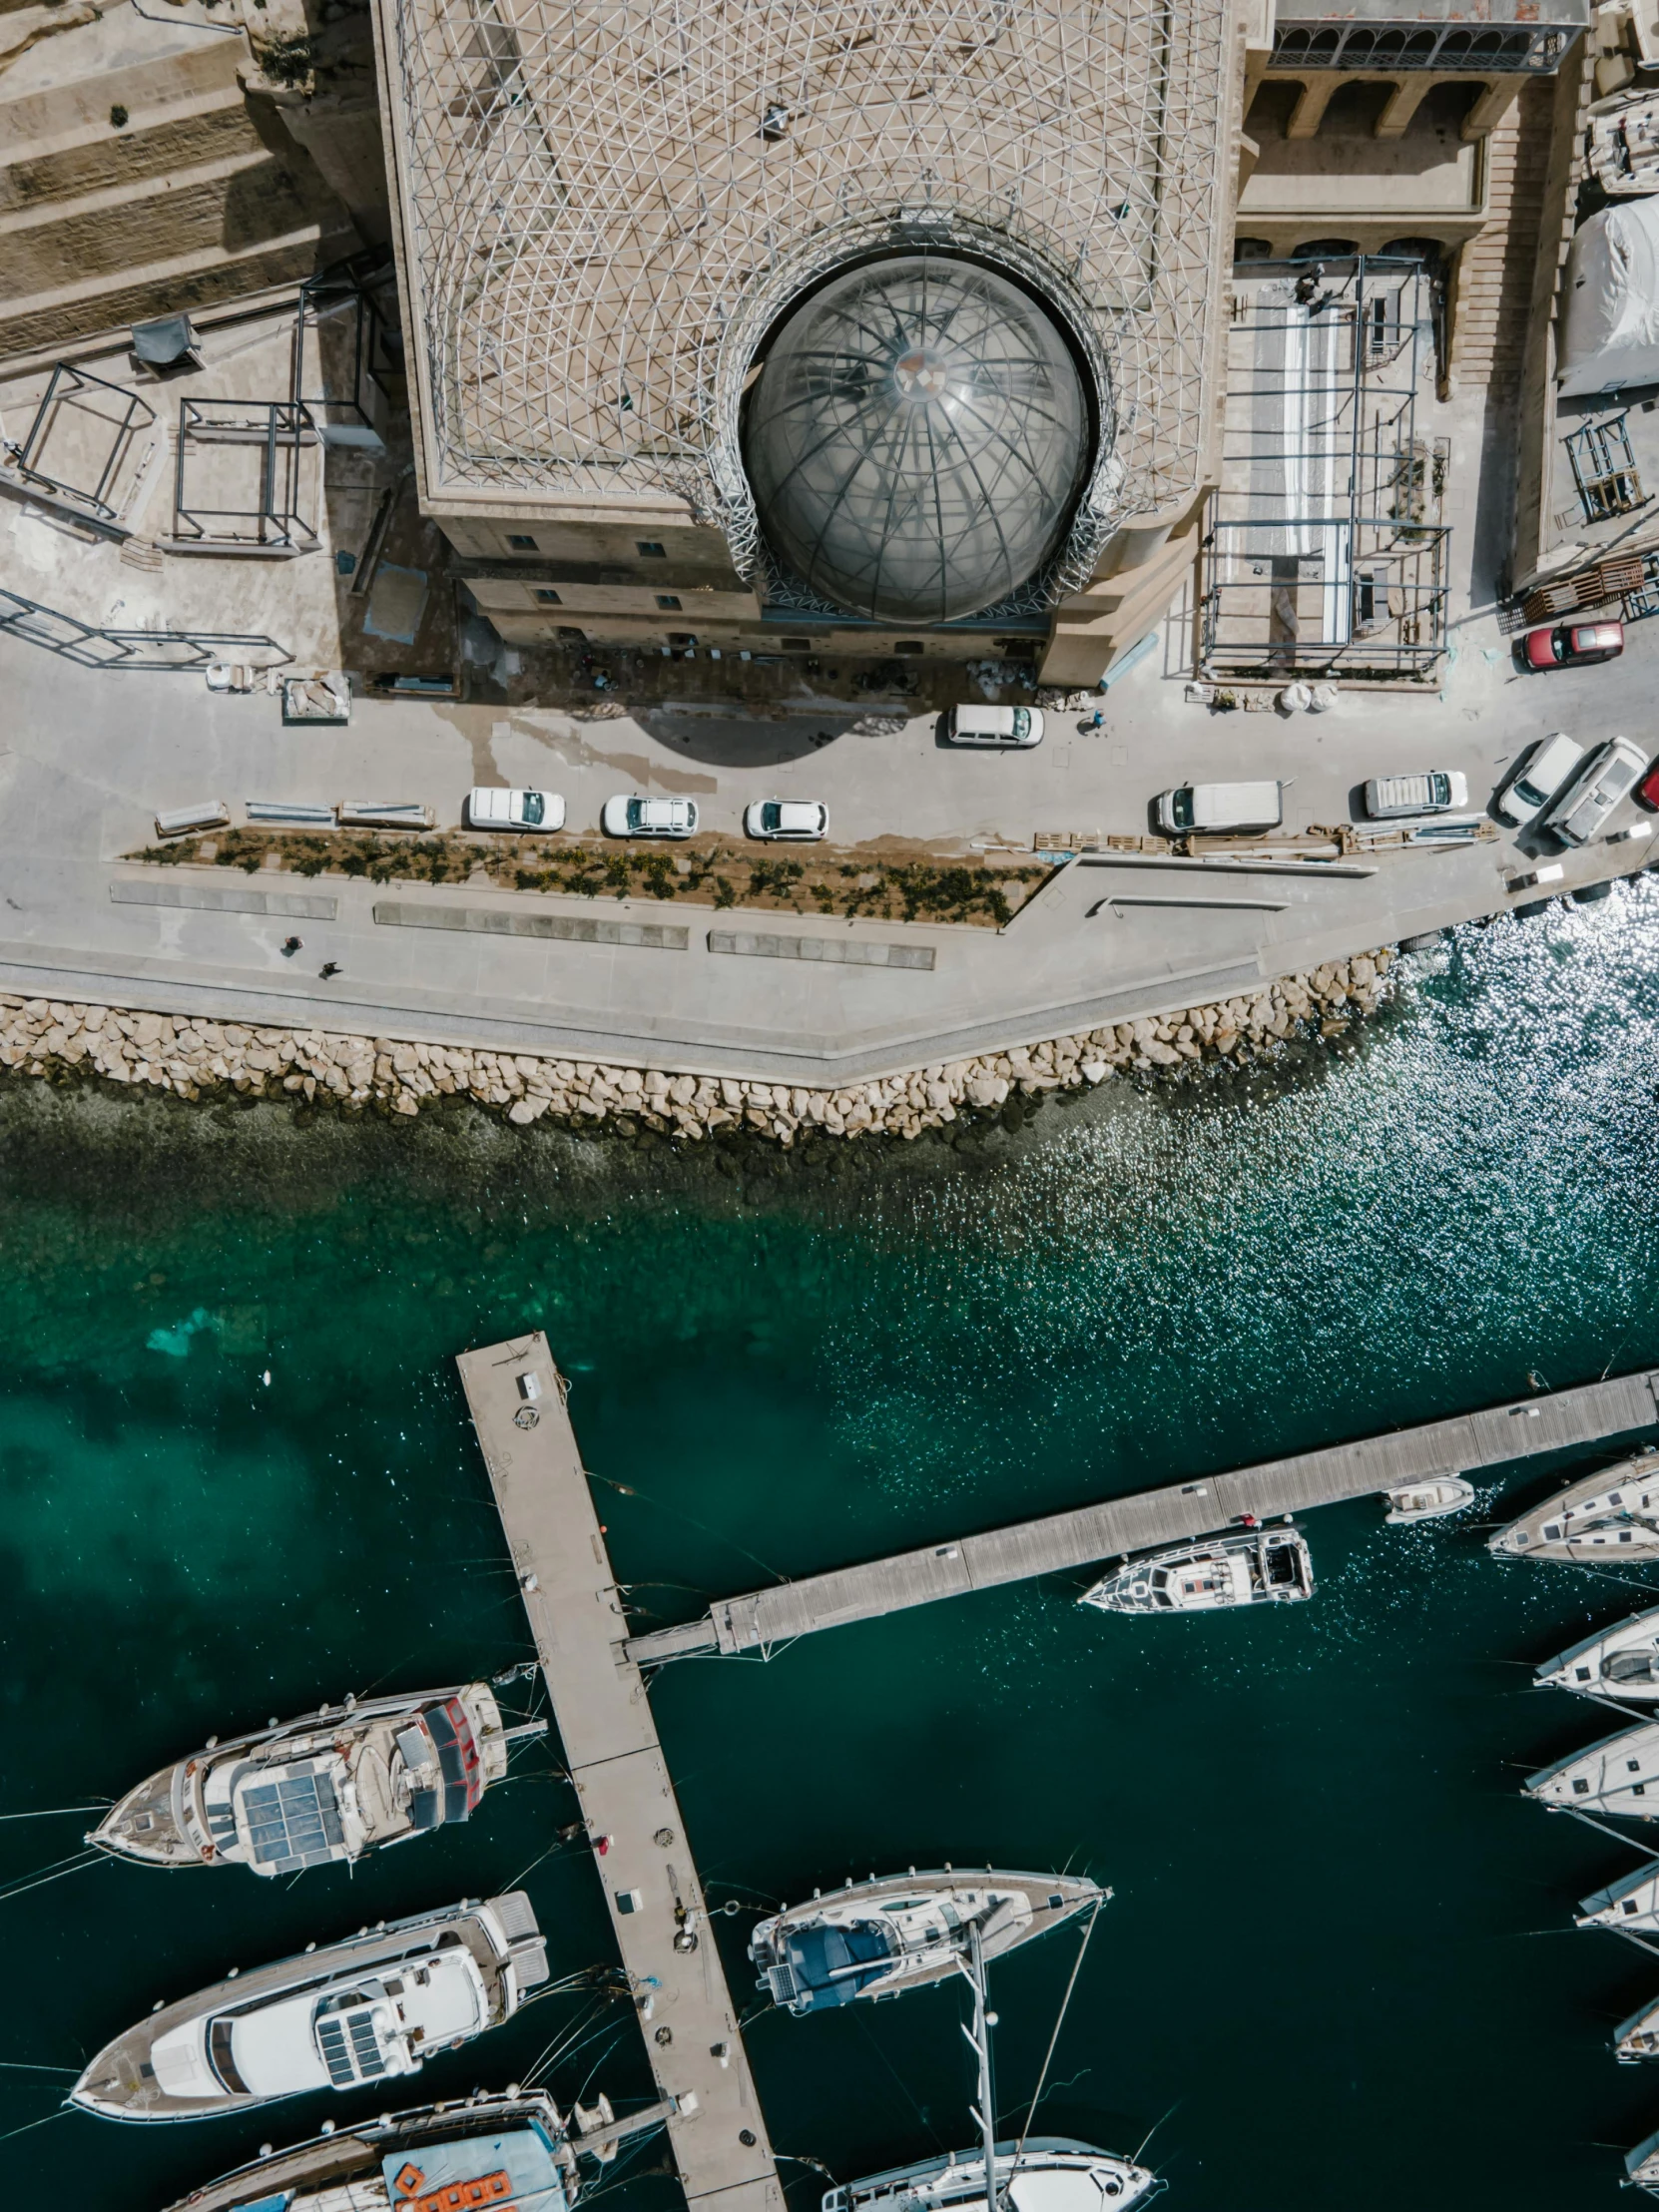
column 1560, row 787
column 632, row 815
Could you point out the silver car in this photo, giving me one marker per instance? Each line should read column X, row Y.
column 1602, row 779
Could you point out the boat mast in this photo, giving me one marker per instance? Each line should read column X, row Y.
column 973, row 1964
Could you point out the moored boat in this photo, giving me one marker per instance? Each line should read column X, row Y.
column 322, row 1789
column 878, row 1939
column 1620, row 1774
column 1613, row 1510
column 1638, row 2036
column 511, row 2150
column 1427, row 1498
column 1619, row 1662
column 1632, row 1902
column 1250, row 1566
column 355, row 2013
column 1052, row 2173
column 1641, row 2167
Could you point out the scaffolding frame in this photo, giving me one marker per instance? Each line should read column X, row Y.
column 606, row 207
column 1319, row 554
column 1604, row 470
column 281, row 430
column 73, row 388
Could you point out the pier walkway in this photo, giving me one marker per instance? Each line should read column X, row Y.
column 1066, row 1542
column 718, row 2134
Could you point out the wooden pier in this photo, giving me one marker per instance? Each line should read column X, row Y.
column 1063, row 1542
column 717, row 2130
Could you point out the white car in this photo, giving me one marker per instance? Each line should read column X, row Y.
column 1435, row 794
column 1012, row 726
column 786, row 820
column 1219, row 809
column 489, row 808
column 1535, row 779
column 1591, row 794
column 630, row 815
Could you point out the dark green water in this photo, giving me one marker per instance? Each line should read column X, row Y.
column 1338, row 1969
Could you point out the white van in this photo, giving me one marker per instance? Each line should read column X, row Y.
column 1219, row 809
column 1021, row 725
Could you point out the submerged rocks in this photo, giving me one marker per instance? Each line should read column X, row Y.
column 195, row 1058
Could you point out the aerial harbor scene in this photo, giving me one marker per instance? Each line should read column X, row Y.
column 828, row 1104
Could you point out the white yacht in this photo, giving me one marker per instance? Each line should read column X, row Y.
column 1050, row 2173
column 1621, row 1662
column 1248, row 1566
column 1427, row 1498
column 1638, row 2036
column 322, row 1789
column 1641, row 2167
column 878, row 1939
column 512, row 2150
column 1613, row 1510
column 352, row 2014
column 1632, row 1902
column 1618, row 1775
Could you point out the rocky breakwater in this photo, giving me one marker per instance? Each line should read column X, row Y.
column 197, row 1059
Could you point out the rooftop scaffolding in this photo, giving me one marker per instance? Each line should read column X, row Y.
column 1322, row 551
column 607, row 204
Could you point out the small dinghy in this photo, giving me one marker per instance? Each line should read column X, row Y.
column 879, row 1938
column 1615, row 1510
column 1254, row 1566
column 513, row 2150
column 1052, row 2173
column 319, row 1790
column 350, row 2016
column 1621, row 1662
column 1618, row 1775
column 1428, row 1500
column 1632, row 1902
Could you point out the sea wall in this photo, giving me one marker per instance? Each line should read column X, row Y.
column 196, row 1059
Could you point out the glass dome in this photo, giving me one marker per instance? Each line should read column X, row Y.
column 915, row 439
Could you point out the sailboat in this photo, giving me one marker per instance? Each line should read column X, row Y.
column 1621, row 1662
column 1035, row 2173
column 878, row 1938
column 1614, row 1511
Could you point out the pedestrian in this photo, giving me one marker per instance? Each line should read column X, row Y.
column 290, row 945
column 328, row 967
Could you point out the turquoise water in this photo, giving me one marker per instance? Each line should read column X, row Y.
column 1337, row 1968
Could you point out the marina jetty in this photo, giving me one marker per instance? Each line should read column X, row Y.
column 1525, row 1428
column 718, row 2134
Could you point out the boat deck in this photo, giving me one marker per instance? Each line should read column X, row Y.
column 1063, row 1542
column 610, row 1744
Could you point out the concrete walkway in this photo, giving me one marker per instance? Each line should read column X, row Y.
column 88, row 756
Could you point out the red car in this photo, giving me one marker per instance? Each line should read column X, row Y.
column 1574, row 641
column 1646, row 793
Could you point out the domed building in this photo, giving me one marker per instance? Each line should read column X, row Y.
column 874, row 329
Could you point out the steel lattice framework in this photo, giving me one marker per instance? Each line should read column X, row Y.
column 607, row 203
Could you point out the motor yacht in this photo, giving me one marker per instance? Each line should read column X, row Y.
column 1613, row 1510
column 1618, row 1775
column 352, row 2014
column 1428, row 1500
column 1621, row 1662
column 325, row 1787
column 1249, row 1567
column 1632, row 1902
column 878, row 1939
column 1049, row 2173
column 512, row 2150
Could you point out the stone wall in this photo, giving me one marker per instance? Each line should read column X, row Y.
column 195, row 1058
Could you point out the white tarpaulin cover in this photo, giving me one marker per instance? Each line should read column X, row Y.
column 1610, row 330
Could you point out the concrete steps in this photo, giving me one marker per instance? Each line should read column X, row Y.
column 193, row 199
column 1494, row 272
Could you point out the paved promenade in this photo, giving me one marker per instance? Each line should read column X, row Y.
column 609, row 1743
column 88, row 756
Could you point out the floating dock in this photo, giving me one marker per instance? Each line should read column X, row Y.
column 717, row 2133
column 1063, row 1542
